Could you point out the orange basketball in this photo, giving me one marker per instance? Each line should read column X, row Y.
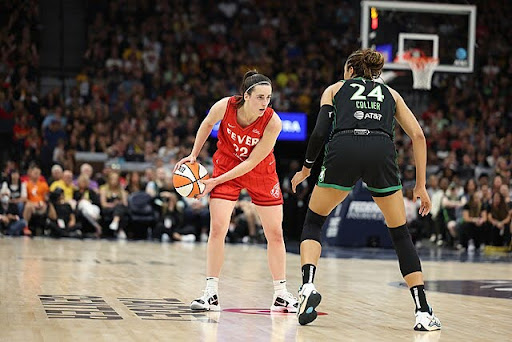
column 187, row 177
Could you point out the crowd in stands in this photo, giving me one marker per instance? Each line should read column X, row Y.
column 152, row 70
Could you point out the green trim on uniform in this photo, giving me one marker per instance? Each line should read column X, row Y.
column 326, row 151
column 388, row 189
column 396, row 154
column 334, row 186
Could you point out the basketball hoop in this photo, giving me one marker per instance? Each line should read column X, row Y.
column 422, row 70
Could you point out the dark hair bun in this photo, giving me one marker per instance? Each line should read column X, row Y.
column 374, row 61
column 367, row 63
column 249, row 74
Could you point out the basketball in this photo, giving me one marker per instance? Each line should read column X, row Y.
column 187, row 179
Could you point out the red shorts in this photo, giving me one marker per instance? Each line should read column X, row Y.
column 261, row 183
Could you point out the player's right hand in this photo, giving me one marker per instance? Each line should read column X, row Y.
column 190, row 158
column 425, row 205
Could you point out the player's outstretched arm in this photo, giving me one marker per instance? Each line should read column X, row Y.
column 317, row 138
column 215, row 115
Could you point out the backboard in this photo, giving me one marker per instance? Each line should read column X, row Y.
column 443, row 31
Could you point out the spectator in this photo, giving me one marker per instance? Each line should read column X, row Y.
column 449, row 205
column 168, row 151
column 10, row 222
column 148, row 179
column 17, row 188
column 114, row 202
column 133, row 182
column 66, row 184
column 466, row 171
column 436, row 192
column 37, row 197
column 499, row 217
column 170, row 225
column 62, row 220
column 245, row 224
column 154, row 187
column 56, row 174
column 87, row 170
column 473, row 226
column 88, row 206
column 197, row 217
column 295, row 204
column 409, row 177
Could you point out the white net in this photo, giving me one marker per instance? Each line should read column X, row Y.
column 422, row 70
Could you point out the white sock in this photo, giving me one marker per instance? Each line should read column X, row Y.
column 280, row 286
column 212, row 284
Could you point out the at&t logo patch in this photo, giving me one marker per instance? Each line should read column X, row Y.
column 359, row 115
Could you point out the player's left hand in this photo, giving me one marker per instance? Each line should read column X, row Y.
column 299, row 177
column 210, row 184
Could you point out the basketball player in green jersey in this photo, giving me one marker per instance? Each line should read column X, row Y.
column 362, row 115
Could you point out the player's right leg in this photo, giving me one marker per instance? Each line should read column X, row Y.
column 220, row 213
column 323, row 200
column 393, row 209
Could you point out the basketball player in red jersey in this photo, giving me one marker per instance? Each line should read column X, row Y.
column 244, row 159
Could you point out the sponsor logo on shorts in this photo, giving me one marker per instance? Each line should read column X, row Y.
column 276, row 191
column 322, row 175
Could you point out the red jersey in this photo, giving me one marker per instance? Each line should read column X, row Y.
column 235, row 141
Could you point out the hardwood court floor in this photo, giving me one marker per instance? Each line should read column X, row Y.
column 71, row 290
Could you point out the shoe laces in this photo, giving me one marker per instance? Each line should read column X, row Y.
column 288, row 296
column 207, row 294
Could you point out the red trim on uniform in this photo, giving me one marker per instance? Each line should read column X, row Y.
column 220, row 196
column 268, row 204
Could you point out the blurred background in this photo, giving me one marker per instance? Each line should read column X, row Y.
column 101, row 98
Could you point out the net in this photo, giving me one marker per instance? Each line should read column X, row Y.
column 422, row 70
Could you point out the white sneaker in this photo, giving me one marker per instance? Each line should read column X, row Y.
column 188, row 238
column 471, row 246
column 285, row 302
column 166, row 237
column 427, row 321
column 207, row 302
column 121, row 235
column 204, row 237
column 309, row 298
column 114, row 225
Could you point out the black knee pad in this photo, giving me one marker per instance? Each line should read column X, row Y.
column 313, row 227
column 405, row 250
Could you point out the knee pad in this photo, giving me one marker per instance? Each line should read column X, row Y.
column 407, row 256
column 313, row 227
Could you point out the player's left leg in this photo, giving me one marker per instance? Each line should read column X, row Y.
column 323, row 200
column 271, row 219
